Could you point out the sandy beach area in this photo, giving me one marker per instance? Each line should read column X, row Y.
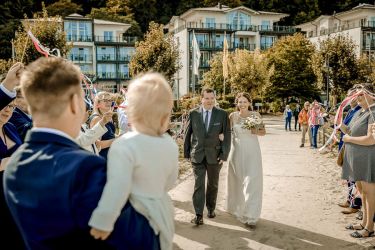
column 301, row 190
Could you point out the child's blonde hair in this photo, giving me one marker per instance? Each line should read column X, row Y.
column 150, row 100
column 103, row 95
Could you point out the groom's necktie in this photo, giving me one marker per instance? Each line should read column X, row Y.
column 206, row 121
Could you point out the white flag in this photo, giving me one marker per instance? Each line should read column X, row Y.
column 196, row 55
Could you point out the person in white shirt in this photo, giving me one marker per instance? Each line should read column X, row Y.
column 87, row 137
column 142, row 164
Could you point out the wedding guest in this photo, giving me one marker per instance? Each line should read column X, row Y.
column 314, row 121
column 352, row 204
column 7, row 87
column 295, row 114
column 303, row 120
column 359, row 158
column 123, row 124
column 288, row 113
column 21, row 118
column 141, row 176
column 87, row 137
column 103, row 104
column 10, row 234
column 245, row 173
column 52, row 185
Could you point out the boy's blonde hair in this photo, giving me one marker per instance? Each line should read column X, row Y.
column 150, row 99
column 48, row 84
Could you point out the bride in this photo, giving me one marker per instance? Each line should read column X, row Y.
column 245, row 177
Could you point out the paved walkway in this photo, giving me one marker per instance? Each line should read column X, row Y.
column 301, row 190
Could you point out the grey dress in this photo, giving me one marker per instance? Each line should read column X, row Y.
column 359, row 161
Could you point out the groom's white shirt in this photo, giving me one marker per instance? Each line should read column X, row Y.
column 209, row 114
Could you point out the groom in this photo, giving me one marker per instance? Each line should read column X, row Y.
column 206, row 151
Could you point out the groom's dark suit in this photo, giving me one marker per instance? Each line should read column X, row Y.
column 204, row 148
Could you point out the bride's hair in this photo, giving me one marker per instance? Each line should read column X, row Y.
column 247, row 96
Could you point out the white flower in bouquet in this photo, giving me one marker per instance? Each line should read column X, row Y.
column 253, row 122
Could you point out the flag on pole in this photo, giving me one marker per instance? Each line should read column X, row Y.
column 225, row 57
column 196, row 55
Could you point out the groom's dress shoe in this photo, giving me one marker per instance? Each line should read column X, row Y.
column 198, row 220
column 211, row 214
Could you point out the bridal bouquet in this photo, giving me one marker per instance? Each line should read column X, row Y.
column 253, row 122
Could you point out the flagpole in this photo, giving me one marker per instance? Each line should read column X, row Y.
column 193, row 64
column 223, row 64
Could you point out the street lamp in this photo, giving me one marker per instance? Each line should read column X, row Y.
column 327, row 72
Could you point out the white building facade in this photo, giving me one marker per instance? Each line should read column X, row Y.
column 244, row 28
column 357, row 23
column 101, row 50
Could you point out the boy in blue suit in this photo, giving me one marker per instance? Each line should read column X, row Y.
column 51, row 184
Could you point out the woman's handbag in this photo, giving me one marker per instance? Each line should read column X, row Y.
column 340, row 157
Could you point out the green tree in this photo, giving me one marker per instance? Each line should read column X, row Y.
column 49, row 32
column 118, row 11
column 63, row 8
column 293, row 73
column 247, row 72
column 336, row 57
column 214, row 77
column 158, row 52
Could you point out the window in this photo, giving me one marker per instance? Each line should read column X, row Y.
column 126, row 53
column 78, row 31
column 106, row 71
column 205, row 59
column 124, row 71
column 267, row 41
column 239, row 20
column 202, row 40
column 266, row 25
column 108, row 36
column 210, row 22
column 372, row 21
column 106, row 53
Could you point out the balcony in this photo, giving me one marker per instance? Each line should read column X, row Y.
column 78, row 58
column 264, row 29
column 124, row 58
column 106, row 75
column 128, row 40
column 368, row 45
column 204, row 64
column 106, row 57
column 245, row 46
column 214, row 45
column 209, row 26
column 78, row 38
column 236, row 27
column 123, row 75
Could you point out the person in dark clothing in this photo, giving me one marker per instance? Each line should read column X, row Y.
column 295, row 114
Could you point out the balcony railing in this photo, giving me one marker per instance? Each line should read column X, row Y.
column 80, row 58
column 237, row 27
column 116, row 39
column 123, row 75
column 368, row 45
column 211, row 45
column 78, row 38
column 107, row 75
column 125, row 58
column 204, row 64
column 250, row 47
column 214, row 26
column 113, row 75
column 106, row 57
column 343, row 27
column 264, row 46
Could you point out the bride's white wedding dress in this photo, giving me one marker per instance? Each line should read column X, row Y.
column 245, row 175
